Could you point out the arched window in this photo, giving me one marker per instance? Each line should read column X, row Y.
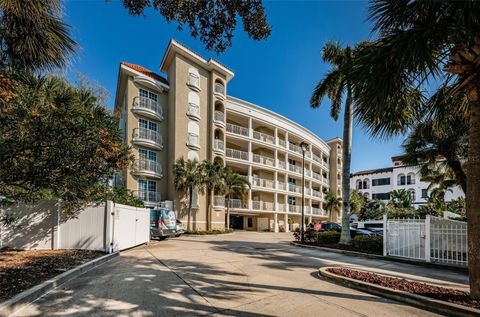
column 219, row 87
column 193, row 135
column 401, row 179
column 411, row 178
column 359, row 184
column 193, row 105
column 193, row 78
column 366, row 183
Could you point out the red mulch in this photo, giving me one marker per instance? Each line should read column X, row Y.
column 22, row 269
column 442, row 293
column 341, row 247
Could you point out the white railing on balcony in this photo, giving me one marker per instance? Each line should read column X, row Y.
column 219, row 201
column 193, row 80
column 316, row 176
column 263, row 160
column 294, row 208
column 193, row 110
column 149, row 135
column 281, row 142
column 192, row 140
column 219, row 116
column 148, row 196
column 316, row 193
column 233, row 128
column 263, row 205
column 145, row 165
column 147, row 103
column 237, row 154
column 219, row 145
column 220, row 89
column 263, row 182
column 317, row 211
column 281, row 164
column 281, row 185
column 281, row 207
column 295, row 148
column 325, row 164
column 295, row 168
column 264, row 137
column 316, row 158
column 294, row 188
column 237, row 204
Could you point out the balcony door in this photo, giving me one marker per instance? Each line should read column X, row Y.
column 148, row 95
column 148, row 125
column 147, row 189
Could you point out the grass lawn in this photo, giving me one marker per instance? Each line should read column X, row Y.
column 21, row 270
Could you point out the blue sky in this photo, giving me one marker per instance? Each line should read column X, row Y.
column 278, row 74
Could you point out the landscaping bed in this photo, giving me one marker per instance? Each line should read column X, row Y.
column 344, row 247
column 23, row 269
column 441, row 293
column 207, row 232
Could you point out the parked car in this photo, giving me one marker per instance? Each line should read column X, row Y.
column 162, row 223
column 367, row 232
column 179, row 229
column 328, row 226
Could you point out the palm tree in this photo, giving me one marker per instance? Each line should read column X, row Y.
column 33, row 35
column 357, row 201
column 419, row 41
column 188, row 177
column 401, row 198
column 335, row 84
column 213, row 181
column 333, row 203
column 235, row 185
column 440, row 180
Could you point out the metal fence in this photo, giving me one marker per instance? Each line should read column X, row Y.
column 431, row 239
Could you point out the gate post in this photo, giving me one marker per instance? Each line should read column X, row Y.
column 385, row 235
column 427, row 238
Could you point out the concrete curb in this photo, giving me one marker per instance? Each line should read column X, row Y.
column 381, row 257
column 26, row 297
column 422, row 302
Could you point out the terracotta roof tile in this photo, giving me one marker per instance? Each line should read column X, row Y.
column 146, row 72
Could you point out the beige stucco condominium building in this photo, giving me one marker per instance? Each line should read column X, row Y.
column 189, row 114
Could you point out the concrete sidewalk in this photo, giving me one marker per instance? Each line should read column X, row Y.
column 245, row 274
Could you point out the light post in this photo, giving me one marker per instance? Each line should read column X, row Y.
column 304, row 147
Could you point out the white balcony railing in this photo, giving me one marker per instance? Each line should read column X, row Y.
column 193, row 80
column 264, row 137
column 193, row 140
column 148, row 135
column 316, row 193
column 295, row 148
column 237, row 154
column 263, row 205
column 295, row 168
column 141, row 102
column 316, row 176
column 238, row 204
column 281, row 207
column 281, row 142
column 219, row 201
column 219, row 116
column 294, row 208
column 294, row 188
column 281, row 185
column 316, row 158
column 263, row 160
column 263, row 182
column 236, row 129
column 193, row 110
column 145, row 165
column 148, row 196
column 220, row 89
column 219, row 145
column 281, row 164
column 317, row 211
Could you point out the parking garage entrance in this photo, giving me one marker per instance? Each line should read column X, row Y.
column 236, row 222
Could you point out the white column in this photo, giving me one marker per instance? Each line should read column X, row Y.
column 275, row 222
column 287, row 229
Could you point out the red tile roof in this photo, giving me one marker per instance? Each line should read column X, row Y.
column 146, row 72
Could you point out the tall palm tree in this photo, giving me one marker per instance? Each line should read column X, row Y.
column 188, row 177
column 335, row 84
column 440, row 180
column 213, row 181
column 419, row 41
column 33, row 35
column 235, row 185
column 333, row 203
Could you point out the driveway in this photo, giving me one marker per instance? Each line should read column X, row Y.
column 242, row 274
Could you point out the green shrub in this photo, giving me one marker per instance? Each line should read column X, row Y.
column 368, row 244
column 205, row 232
column 328, row 237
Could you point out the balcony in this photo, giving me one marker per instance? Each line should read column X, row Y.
column 281, row 207
column 193, row 111
column 316, row 158
column 282, row 143
column 236, row 129
column 237, row 204
column 193, row 81
column 219, row 146
column 219, row 118
column 263, row 160
column 148, row 197
column 263, row 205
column 294, row 188
column 316, row 193
column 317, row 212
column 219, row 201
column 263, row 182
column 264, row 137
column 294, row 168
column 145, row 167
column 316, row 176
column 294, row 208
column 219, row 91
column 237, row 154
column 281, row 164
column 147, row 107
column 147, row 138
column 193, row 141
column 295, row 148
column 281, row 185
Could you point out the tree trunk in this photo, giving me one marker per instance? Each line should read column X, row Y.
column 345, row 237
column 228, row 212
column 190, row 200
column 473, row 191
column 209, row 211
column 460, row 175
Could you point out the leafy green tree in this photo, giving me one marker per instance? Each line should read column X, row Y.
column 335, row 85
column 419, row 41
column 33, row 35
column 234, row 185
column 332, row 203
column 213, row 174
column 121, row 195
column 401, row 198
column 213, row 22
column 357, row 201
column 374, row 210
column 57, row 141
column 187, row 178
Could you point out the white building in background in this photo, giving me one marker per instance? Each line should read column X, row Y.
column 378, row 183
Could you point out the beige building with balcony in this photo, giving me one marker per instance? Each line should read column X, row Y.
column 189, row 114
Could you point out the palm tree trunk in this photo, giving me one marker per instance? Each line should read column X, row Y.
column 473, row 191
column 460, row 175
column 209, row 211
column 228, row 211
column 190, row 200
column 345, row 237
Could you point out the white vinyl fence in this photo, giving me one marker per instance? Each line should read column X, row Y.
column 108, row 227
column 431, row 239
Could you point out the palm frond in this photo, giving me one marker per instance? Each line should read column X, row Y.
column 325, row 87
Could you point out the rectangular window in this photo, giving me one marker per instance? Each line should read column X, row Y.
column 424, row 193
column 381, row 181
column 147, row 155
column 381, row 196
column 148, row 94
column 250, row 222
column 145, row 124
column 401, row 180
column 291, row 200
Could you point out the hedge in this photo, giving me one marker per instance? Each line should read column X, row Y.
column 369, row 244
column 328, row 237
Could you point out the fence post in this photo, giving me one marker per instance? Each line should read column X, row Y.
column 385, row 235
column 427, row 238
column 109, row 239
